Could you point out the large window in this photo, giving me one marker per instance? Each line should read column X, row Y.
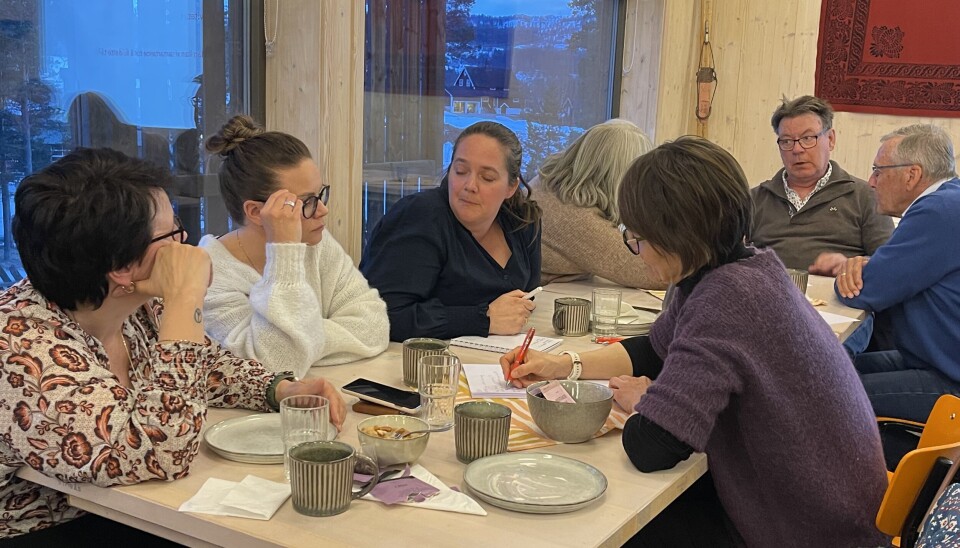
column 544, row 68
column 146, row 78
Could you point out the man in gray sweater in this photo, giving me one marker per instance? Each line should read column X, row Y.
column 812, row 212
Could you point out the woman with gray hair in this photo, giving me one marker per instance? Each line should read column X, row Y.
column 578, row 194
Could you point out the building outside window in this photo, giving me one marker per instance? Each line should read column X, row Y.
column 544, row 68
column 146, row 78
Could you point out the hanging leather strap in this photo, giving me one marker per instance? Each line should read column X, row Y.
column 706, row 71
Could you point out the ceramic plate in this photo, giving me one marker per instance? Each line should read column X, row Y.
column 253, row 438
column 536, row 483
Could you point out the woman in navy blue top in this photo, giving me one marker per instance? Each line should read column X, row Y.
column 456, row 260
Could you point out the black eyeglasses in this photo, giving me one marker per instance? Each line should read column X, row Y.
column 310, row 203
column 633, row 244
column 807, row 141
column 178, row 235
column 875, row 170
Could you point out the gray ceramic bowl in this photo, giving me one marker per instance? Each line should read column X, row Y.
column 390, row 451
column 572, row 422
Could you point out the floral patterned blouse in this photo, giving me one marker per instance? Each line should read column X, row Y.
column 68, row 417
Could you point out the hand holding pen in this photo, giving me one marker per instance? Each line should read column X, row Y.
column 531, row 294
column 509, row 312
column 522, row 354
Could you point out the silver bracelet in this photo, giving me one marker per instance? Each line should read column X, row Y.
column 577, row 365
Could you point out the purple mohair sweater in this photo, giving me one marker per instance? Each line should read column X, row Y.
column 756, row 379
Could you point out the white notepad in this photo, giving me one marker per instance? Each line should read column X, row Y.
column 505, row 343
column 486, row 381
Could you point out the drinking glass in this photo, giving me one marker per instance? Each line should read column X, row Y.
column 302, row 418
column 438, row 377
column 606, row 309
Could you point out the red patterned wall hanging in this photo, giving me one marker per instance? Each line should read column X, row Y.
column 898, row 57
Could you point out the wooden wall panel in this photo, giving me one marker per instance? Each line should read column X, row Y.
column 641, row 64
column 764, row 50
column 315, row 92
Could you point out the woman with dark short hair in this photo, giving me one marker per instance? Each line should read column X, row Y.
column 105, row 372
column 456, row 260
column 739, row 366
column 284, row 292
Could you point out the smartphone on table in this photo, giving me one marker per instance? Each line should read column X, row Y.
column 389, row 396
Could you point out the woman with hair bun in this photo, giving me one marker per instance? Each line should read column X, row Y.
column 284, row 292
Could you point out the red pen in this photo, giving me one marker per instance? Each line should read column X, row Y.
column 607, row 340
column 522, row 354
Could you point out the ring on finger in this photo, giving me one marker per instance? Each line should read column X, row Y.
column 843, row 273
column 290, row 203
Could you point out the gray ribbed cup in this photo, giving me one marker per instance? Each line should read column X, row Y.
column 799, row 277
column 481, row 429
column 571, row 316
column 413, row 350
column 321, row 477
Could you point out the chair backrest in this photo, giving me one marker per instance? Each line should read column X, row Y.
column 928, row 465
column 943, row 425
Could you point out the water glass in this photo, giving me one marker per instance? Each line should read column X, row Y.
column 302, row 418
column 606, row 310
column 438, row 377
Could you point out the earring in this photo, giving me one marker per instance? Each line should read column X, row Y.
column 129, row 289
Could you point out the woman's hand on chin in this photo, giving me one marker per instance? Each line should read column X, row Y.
column 179, row 271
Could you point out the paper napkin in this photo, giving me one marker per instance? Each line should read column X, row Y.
column 254, row 498
column 446, row 499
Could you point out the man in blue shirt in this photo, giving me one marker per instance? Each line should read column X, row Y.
column 915, row 275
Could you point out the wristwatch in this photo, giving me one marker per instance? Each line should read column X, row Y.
column 271, row 393
column 577, row 365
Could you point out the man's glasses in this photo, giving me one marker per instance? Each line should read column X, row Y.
column 807, row 141
column 875, row 170
column 177, row 235
column 310, row 203
column 633, row 244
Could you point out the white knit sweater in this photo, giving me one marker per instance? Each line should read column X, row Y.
column 311, row 307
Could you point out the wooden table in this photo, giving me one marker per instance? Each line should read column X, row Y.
column 821, row 287
column 632, row 498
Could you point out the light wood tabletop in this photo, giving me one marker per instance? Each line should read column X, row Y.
column 632, row 498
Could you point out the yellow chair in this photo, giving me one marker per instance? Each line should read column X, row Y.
column 922, row 474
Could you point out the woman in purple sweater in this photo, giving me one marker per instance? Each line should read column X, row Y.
column 739, row 366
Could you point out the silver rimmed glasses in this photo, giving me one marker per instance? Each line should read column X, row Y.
column 875, row 169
